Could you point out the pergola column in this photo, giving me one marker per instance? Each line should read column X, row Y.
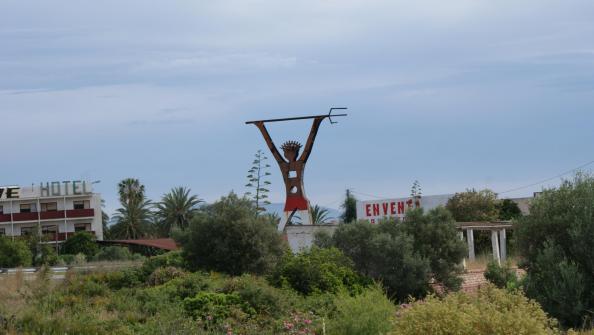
column 503, row 244
column 470, row 240
column 461, row 235
column 495, row 245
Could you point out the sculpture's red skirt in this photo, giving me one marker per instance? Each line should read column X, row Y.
column 296, row 203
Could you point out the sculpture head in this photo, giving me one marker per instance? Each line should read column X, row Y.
column 291, row 150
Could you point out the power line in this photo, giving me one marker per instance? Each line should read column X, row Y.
column 369, row 195
column 548, row 179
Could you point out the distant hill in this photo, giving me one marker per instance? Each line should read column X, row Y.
column 333, row 214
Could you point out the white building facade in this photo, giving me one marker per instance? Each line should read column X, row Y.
column 56, row 209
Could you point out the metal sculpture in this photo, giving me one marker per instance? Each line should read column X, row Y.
column 292, row 165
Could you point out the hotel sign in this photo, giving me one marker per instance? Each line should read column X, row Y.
column 47, row 189
column 10, row 192
column 375, row 210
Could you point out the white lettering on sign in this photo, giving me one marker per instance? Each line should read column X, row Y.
column 10, row 192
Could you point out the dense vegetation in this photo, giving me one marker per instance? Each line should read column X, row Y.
column 556, row 240
column 405, row 256
column 236, row 275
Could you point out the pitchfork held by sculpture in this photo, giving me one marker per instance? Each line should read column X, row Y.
column 292, row 165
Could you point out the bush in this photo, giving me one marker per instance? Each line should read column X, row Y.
column 490, row 311
column 501, row 276
column 170, row 259
column 259, row 295
column 47, row 255
column 66, row 259
column 230, row 237
column 14, row 253
column 388, row 258
column 213, row 307
column 115, row 253
column 404, row 256
column 81, row 242
column 162, row 275
column 474, row 206
column 555, row 241
column 435, row 238
column 368, row 313
column 316, row 271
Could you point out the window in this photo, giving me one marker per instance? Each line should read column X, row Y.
column 2, row 232
column 25, row 231
column 49, row 207
column 1, row 210
column 82, row 204
column 82, row 227
column 49, row 232
column 26, row 208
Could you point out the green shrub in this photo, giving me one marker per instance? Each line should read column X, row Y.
column 259, row 295
column 435, row 238
column 172, row 258
column 66, row 259
column 370, row 313
column 502, row 276
column 127, row 278
column 81, row 242
column 213, row 307
column 489, row 311
column 230, row 237
column 186, row 286
column 14, row 253
column 162, row 275
column 555, row 241
column 115, row 253
column 388, row 257
column 316, row 271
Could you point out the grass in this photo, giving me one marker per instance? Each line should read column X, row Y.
column 481, row 261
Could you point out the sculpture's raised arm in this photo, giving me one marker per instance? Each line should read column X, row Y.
column 312, row 138
column 269, row 141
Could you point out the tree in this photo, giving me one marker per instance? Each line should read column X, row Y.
column 388, row 258
column 81, row 243
column 104, row 221
column 555, row 240
column 404, row 255
column 257, row 180
column 176, row 209
column 415, row 190
column 435, row 238
column 508, row 210
column 350, row 208
column 319, row 215
column 229, row 236
column 133, row 219
column 474, row 206
column 14, row 253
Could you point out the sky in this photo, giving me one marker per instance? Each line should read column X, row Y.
column 455, row 94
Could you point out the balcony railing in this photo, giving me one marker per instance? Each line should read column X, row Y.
column 71, row 213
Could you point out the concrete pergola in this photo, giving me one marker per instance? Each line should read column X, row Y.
column 498, row 237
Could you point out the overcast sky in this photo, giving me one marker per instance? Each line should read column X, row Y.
column 456, row 94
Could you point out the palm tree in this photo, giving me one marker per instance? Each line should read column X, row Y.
column 105, row 221
column 177, row 208
column 319, row 215
column 134, row 217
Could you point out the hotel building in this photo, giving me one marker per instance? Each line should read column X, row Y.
column 56, row 209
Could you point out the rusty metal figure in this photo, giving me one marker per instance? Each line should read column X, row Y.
column 292, row 165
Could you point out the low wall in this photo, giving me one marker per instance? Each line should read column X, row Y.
column 301, row 237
